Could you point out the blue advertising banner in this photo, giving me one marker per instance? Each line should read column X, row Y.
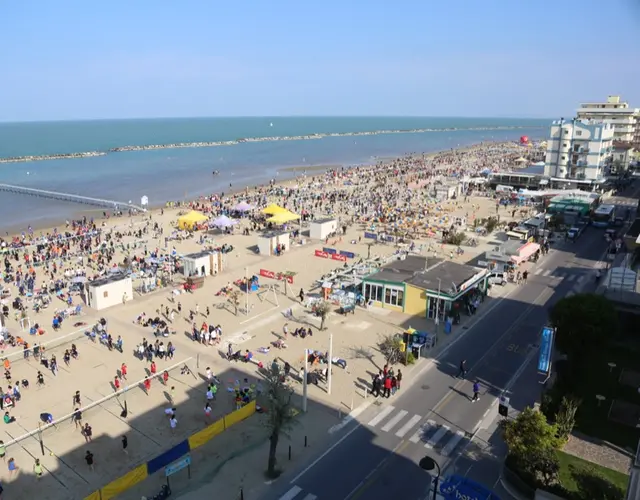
column 329, row 250
column 348, row 255
column 546, row 349
column 461, row 488
column 371, row 236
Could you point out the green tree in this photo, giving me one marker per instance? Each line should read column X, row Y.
column 583, row 323
column 566, row 416
column 234, row 299
column 529, row 433
column 280, row 415
column 392, row 348
column 322, row 310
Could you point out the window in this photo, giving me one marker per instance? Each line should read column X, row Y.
column 373, row 292
column 578, row 133
column 393, row 296
column 564, row 157
column 105, row 294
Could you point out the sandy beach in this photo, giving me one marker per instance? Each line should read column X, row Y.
column 394, row 197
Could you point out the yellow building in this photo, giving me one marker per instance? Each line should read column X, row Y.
column 425, row 287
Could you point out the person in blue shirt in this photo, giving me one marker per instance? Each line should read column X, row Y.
column 476, row 392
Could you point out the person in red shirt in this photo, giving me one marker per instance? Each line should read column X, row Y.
column 165, row 377
column 387, row 387
column 116, row 383
column 153, row 368
column 147, row 385
column 123, row 371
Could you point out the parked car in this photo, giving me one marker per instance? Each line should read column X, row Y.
column 497, row 279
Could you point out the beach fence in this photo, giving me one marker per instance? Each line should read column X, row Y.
column 178, row 455
column 50, row 346
column 93, row 407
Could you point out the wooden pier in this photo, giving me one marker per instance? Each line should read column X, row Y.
column 73, row 198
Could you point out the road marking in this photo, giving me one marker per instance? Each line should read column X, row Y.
column 291, row 494
column 570, row 293
column 380, row 416
column 351, row 416
column 422, row 431
column 394, row 421
column 547, row 272
column 453, row 442
column 331, row 448
column 571, row 277
column 408, row 426
column 310, row 497
column 437, row 436
column 537, row 271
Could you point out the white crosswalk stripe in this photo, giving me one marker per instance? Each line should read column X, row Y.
column 381, row 416
column 394, row 421
column 537, row 271
column 310, row 497
column 547, row 272
column 422, row 431
column 571, row 277
column 452, row 443
column 433, row 440
column 291, row 494
column 408, row 426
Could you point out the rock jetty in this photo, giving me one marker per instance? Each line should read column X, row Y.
column 212, row 144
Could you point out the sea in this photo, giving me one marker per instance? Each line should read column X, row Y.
column 176, row 174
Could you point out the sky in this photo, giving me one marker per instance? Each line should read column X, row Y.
column 79, row 59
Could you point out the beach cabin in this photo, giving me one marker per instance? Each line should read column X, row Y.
column 320, row 229
column 109, row 291
column 268, row 242
column 201, row 264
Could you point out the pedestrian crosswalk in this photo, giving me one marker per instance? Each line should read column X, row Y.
column 428, row 433
column 296, row 493
column 569, row 275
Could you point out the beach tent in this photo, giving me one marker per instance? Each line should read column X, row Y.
column 283, row 217
column 223, row 221
column 188, row 221
column 243, row 206
column 274, row 209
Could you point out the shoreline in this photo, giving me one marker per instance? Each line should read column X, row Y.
column 47, row 226
column 184, row 145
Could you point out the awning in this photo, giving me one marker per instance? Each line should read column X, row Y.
column 525, row 252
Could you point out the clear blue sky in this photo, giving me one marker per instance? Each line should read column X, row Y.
column 77, row 59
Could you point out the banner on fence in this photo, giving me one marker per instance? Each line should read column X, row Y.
column 336, row 256
column 348, row 255
column 239, row 415
column 371, row 236
column 131, row 478
column 206, row 434
column 265, row 273
column 320, row 253
column 329, row 250
column 158, row 463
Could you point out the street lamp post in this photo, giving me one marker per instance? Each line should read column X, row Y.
column 427, row 463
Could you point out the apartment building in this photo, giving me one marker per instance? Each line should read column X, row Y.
column 625, row 120
column 579, row 150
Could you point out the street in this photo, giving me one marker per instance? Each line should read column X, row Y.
column 377, row 457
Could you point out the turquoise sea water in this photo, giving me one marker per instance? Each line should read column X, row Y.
column 171, row 174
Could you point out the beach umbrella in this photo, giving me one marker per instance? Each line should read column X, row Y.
column 223, row 221
column 274, row 209
column 283, row 217
column 243, row 206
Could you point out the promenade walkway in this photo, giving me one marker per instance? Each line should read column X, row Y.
column 75, row 198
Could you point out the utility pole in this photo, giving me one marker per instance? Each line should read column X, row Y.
column 329, row 361
column 246, row 291
column 304, row 381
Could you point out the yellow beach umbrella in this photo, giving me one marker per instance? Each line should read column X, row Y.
column 274, row 209
column 283, row 217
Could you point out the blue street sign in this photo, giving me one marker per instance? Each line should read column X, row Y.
column 546, row 349
column 461, row 488
column 183, row 463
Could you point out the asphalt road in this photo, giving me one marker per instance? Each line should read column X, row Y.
column 377, row 459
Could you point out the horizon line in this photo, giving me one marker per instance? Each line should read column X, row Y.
column 14, row 122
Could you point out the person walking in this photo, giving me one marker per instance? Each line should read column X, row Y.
column 173, row 423
column 398, row 379
column 125, row 444
column 37, row 469
column 525, row 275
column 116, row 384
column 88, row 457
column 463, row 369
column 147, row 386
column 476, row 392
column 123, row 371
column 13, row 468
column 387, row 387
column 207, row 412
